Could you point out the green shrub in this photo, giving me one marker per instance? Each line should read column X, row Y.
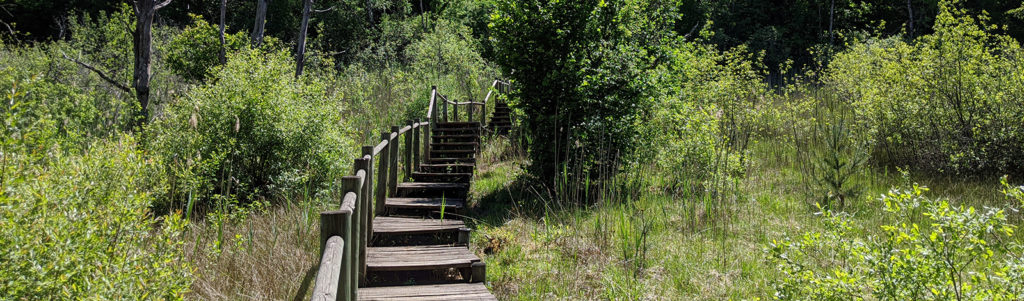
column 254, row 132
column 196, row 49
column 949, row 101
column 699, row 127
column 75, row 220
column 928, row 250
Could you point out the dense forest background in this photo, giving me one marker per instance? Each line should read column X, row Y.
column 672, row 149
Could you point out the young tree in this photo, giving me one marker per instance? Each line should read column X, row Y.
column 261, row 21
column 145, row 11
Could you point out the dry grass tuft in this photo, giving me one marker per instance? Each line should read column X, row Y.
column 269, row 255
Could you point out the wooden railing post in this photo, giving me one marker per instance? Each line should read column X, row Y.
column 393, row 157
column 445, row 106
column 416, row 145
column 361, row 211
column 350, row 184
column 408, row 151
column 432, row 117
column 469, row 111
column 426, row 142
column 336, row 223
column 455, row 111
column 382, row 175
column 366, row 200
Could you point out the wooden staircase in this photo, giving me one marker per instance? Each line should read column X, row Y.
column 501, row 121
column 419, row 246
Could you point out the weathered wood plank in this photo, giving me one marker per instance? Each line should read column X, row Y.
column 425, row 203
column 419, row 258
column 388, row 225
column 457, row 291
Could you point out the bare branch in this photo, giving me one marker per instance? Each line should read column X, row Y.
column 161, row 5
column 100, row 73
column 9, row 28
column 317, row 11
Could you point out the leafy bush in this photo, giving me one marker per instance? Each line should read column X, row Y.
column 700, row 123
column 75, row 220
column 253, row 132
column 929, row 250
column 948, row 102
column 196, row 49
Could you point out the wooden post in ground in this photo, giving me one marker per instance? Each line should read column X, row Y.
column 350, row 184
column 445, row 106
column 469, row 111
column 337, row 223
column 380, row 194
column 366, row 201
column 408, row 151
column 455, row 111
column 426, row 142
column 393, row 157
column 416, row 145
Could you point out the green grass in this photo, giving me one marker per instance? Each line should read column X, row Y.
column 658, row 246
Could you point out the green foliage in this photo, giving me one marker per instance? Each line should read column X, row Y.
column 929, row 250
column 75, row 220
column 196, row 49
column 105, row 41
column 706, row 102
column 579, row 69
column 948, row 102
column 253, row 132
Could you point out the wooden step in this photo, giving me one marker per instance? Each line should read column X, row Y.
column 418, row 258
column 454, row 136
column 438, row 146
column 453, row 151
column 393, row 225
column 456, row 168
column 458, row 177
column 451, row 160
column 443, row 131
column 424, row 203
column 431, row 292
column 457, row 124
column 432, row 189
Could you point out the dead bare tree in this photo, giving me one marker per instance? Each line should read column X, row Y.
column 300, row 53
column 223, row 14
column 910, row 20
column 145, row 12
column 261, row 21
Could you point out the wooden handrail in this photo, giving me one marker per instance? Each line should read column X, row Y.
column 328, row 277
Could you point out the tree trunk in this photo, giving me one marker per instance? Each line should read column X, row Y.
column 369, row 11
column 831, row 19
column 300, row 53
column 145, row 11
column 261, row 20
column 223, row 46
column 910, row 20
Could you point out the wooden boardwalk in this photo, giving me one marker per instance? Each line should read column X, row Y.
column 428, row 256
column 398, row 234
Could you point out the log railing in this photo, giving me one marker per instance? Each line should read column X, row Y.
column 344, row 233
column 471, row 107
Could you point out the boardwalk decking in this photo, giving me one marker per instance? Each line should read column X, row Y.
column 442, row 181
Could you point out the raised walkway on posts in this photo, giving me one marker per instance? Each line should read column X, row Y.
column 398, row 234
